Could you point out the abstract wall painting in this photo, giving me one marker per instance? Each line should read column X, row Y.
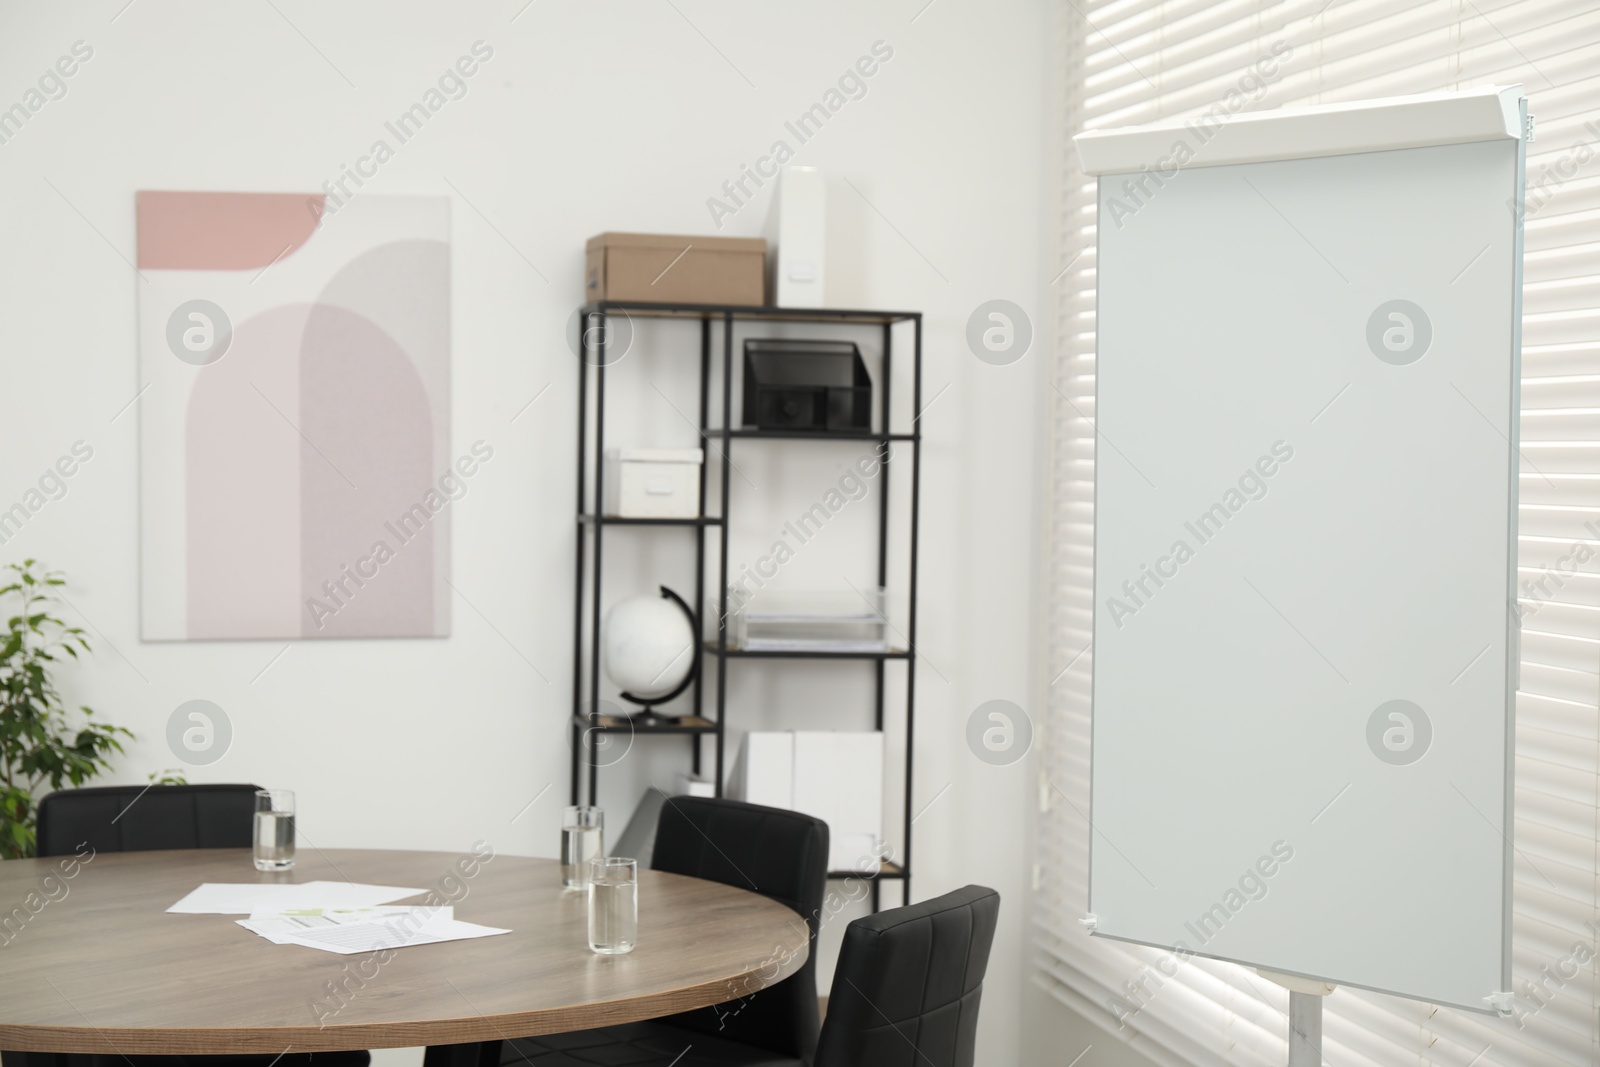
column 295, row 416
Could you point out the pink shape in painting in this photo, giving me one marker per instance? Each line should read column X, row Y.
column 223, row 231
column 366, row 530
column 243, row 510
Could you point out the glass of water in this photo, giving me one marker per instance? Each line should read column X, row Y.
column 274, row 829
column 582, row 839
column 613, row 905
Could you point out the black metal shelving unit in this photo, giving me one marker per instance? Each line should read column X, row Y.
column 697, row 726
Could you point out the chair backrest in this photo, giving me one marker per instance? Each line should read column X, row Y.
column 132, row 818
column 779, row 854
column 907, row 985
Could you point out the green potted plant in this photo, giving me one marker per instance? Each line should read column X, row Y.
column 41, row 742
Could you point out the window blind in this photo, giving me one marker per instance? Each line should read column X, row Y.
column 1134, row 61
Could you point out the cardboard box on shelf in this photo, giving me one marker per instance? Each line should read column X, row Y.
column 676, row 269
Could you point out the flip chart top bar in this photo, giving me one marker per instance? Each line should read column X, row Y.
column 1487, row 113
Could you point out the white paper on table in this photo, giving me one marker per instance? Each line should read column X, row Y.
column 278, row 927
column 374, row 937
column 250, row 898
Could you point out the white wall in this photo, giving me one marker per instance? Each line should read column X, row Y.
column 1055, row 1035
column 623, row 116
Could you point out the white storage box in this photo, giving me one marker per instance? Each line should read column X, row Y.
column 653, row 483
column 690, row 785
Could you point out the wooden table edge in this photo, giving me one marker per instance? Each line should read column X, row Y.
column 336, row 1037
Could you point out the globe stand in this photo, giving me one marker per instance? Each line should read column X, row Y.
column 647, row 711
column 647, row 714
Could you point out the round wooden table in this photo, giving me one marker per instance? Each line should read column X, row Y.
column 92, row 963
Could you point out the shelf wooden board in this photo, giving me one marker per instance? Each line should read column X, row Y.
column 887, row 872
column 745, row 313
column 589, row 519
column 815, row 435
column 683, row 724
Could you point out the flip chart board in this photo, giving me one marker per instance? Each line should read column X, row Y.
column 1305, row 529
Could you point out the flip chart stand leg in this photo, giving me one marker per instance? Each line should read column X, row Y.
column 1305, row 1016
column 1305, row 1029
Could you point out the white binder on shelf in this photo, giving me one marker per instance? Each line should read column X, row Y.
column 838, row 777
column 796, row 231
column 765, row 771
column 835, row 775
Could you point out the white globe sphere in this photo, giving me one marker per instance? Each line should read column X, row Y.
column 647, row 646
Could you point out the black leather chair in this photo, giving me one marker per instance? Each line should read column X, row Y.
column 133, row 818
column 779, row 854
column 906, row 990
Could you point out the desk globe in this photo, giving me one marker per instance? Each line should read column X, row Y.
column 647, row 649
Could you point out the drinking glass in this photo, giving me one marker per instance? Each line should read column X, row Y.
column 613, row 905
column 582, row 840
column 274, row 838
